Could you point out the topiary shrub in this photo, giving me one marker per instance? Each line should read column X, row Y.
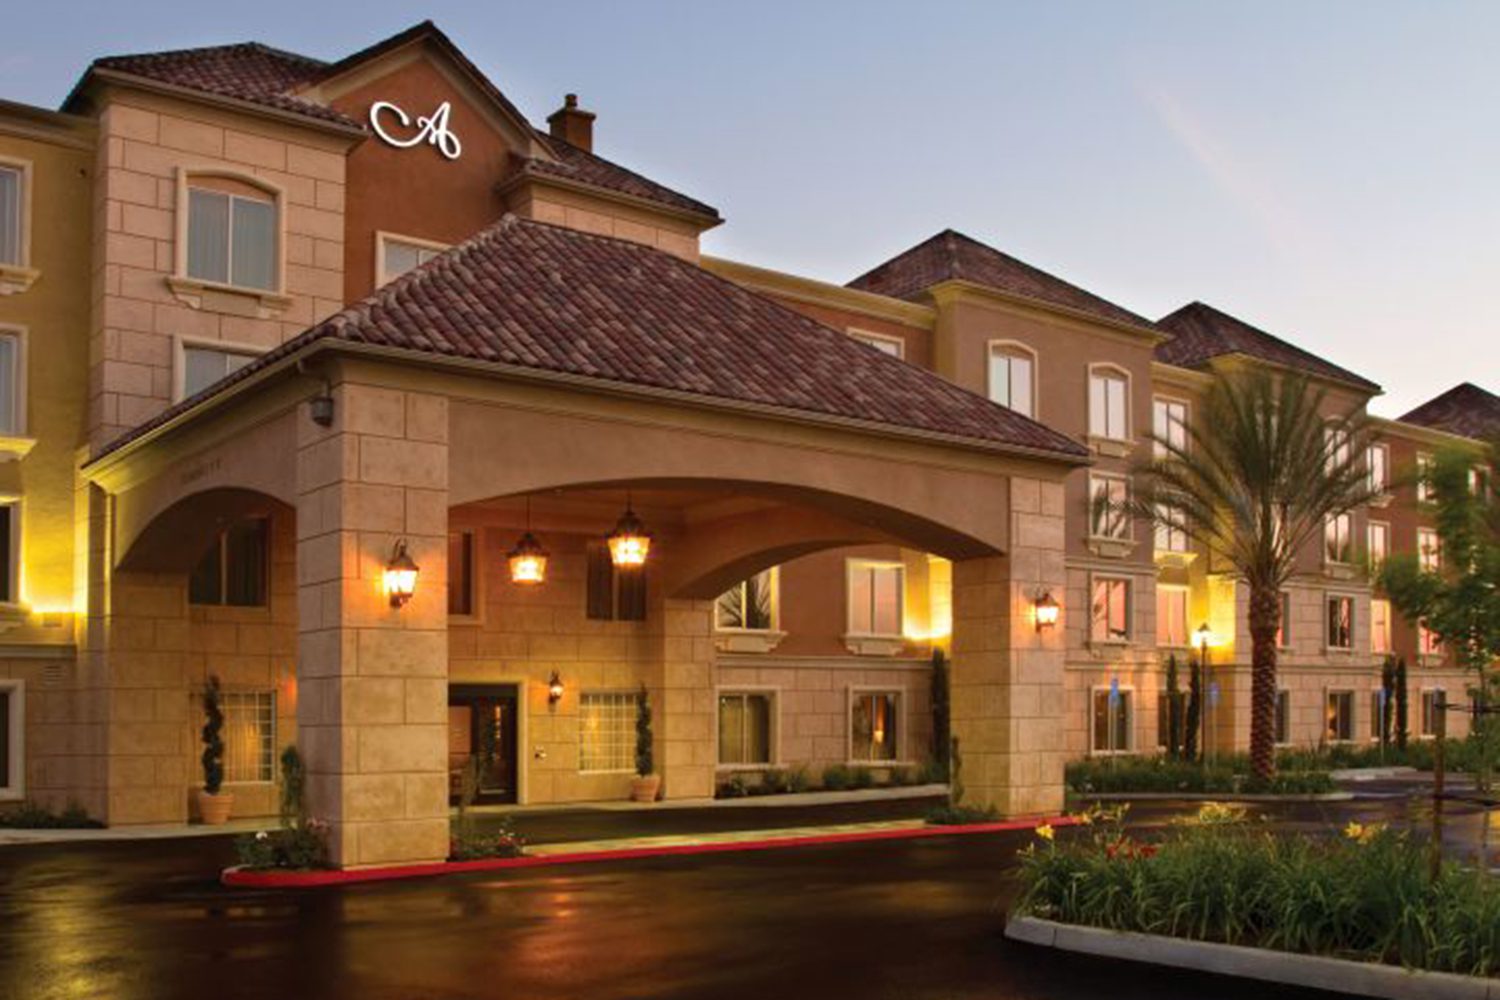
column 213, row 737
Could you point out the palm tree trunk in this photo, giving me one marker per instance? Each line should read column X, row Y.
column 1265, row 612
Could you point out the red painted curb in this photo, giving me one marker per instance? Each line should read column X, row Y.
column 248, row 879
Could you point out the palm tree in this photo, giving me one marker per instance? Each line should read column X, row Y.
column 1256, row 480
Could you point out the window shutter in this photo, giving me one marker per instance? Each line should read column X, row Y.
column 601, row 583
column 632, row 602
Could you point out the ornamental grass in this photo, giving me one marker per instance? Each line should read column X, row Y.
column 1364, row 895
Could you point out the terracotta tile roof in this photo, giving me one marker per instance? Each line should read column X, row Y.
column 1464, row 409
column 527, row 295
column 1201, row 333
column 590, row 168
column 951, row 255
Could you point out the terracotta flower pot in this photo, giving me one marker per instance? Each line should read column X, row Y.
column 645, row 789
column 214, row 809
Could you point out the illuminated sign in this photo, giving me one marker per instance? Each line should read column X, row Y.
column 431, row 129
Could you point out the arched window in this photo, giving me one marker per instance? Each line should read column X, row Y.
column 232, row 230
column 1012, row 376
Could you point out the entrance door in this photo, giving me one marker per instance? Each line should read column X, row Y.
column 482, row 727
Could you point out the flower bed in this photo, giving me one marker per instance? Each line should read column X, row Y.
column 1227, row 775
column 1364, row 895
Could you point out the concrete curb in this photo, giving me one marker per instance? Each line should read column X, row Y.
column 1372, row 773
column 277, row 879
column 1210, row 797
column 1313, row 971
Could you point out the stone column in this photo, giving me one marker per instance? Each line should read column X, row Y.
column 372, row 704
column 681, row 684
column 1007, row 678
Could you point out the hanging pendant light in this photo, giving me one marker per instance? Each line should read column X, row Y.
column 528, row 560
column 630, row 542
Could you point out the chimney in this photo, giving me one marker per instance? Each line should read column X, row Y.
column 572, row 124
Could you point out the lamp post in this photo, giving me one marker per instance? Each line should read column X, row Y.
column 1204, row 636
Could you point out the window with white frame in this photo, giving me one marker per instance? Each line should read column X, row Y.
column 1012, row 378
column 1171, row 615
column 232, row 233
column 203, row 365
column 10, row 554
column 1427, row 641
column 1113, row 721
column 606, row 730
column 1283, row 717
column 1340, row 622
column 1380, row 625
column 749, row 604
column 1429, row 550
column 1284, row 626
column 1170, row 535
column 1109, row 404
column 1378, row 542
column 249, row 736
column 1169, row 426
column 1108, row 496
column 1336, row 445
column 876, row 597
column 12, row 734
column 1338, row 538
column 1430, row 699
column 885, row 344
column 12, row 208
column 1378, row 468
column 874, row 726
column 12, row 385
column 1109, row 610
column 399, row 255
column 1339, row 716
column 1424, row 477
column 745, row 719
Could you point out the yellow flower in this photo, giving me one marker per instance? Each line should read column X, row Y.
column 1045, row 831
column 1363, row 833
column 1083, row 818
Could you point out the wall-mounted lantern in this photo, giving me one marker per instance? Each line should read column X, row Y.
column 554, row 689
column 400, row 576
column 630, row 542
column 1046, row 610
column 320, row 408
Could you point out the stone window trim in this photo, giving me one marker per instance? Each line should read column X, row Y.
column 18, row 277
column 889, row 343
column 903, row 757
column 1105, row 545
column 1328, row 647
column 1115, row 446
column 1015, row 348
column 197, row 292
column 181, row 345
column 865, row 643
column 18, row 443
column 383, row 237
column 771, row 691
column 1127, row 694
column 13, row 785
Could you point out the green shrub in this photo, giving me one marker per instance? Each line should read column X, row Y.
column 933, row 772
column 473, row 845
column 298, row 848
column 797, row 779
column 30, row 815
column 836, row 777
column 1364, row 896
column 1230, row 774
column 732, row 787
column 901, row 776
column 775, row 781
column 212, row 737
column 953, row 815
column 861, row 777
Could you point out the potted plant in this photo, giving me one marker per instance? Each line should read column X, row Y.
column 646, row 784
column 214, row 803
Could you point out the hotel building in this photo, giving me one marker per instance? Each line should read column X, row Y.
column 268, row 322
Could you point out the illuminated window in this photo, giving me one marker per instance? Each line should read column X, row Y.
column 1171, row 615
column 249, row 736
column 1339, row 716
column 1378, row 467
column 1109, row 611
column 745, row 728
column 12, row 209
column 749, row 604
column 233, row 571
column 1340, row 623
column 203, row 366
column 1424, row 478
column 1338, row 542
column 1427, row 641
column 1430, row 699
column 1109, row 405
column 1108, row 517
column 1429, row 550
column 894, row 346
column 12, row 394
column 462, row 580
column 875, row 598
column 1169, row 426
column 606, row 731
column 873, row 726
column 1111, row 731
column 1011, row 378
column 1171, row 536
column 231, row 233
column 1380, row 626
column 1336, row 445
column 398, row 255
column 1284, row 627
column 1378, row 535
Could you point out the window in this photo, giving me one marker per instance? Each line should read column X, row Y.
column 1378, row 539
column 1380, row 626
column 249, row 735
column 12, row 745
column 1427, row 641
column 1424, row 477
column 1430, row 699
column 1169, row 425
column 1107, row 515
column 203, row 366
column 12, row 396
column 875, row 598
column 614, row 594
column 745, row 728
column 1340, row 716
column 12, row 224
column 1171, row 536
column 233, row 570
column 1429, row 550
column 1171, row 615
column 1112, row 723
column 462, row 580
column 894, row 346
column 1340, row 623
column 873, row 726
column 1378, row 468
column 1284, row 628
column 1375, row 712
column 606, row 731
column 1109, row 405
column 231, row 234
column 1109, row 613
column 1012, row 373
column 749, row 604
column 1283, row 717
column 1336, row 444
column 397, row 255
column 1338, row 543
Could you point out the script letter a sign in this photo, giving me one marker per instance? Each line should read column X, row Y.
column 431, row 129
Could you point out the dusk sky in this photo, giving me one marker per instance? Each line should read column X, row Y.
column 1329, row 172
